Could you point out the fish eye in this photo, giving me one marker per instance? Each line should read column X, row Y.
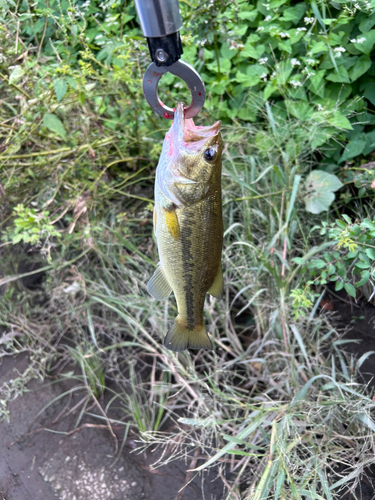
column 209, row 154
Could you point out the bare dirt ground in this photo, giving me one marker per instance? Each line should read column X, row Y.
column 40, row 464
column 45, row 456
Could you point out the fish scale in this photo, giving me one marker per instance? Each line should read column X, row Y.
column 188, row 227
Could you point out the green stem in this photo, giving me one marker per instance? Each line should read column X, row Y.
column 104, row 142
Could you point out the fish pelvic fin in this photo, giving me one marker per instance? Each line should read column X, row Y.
column 158, row 286
column 180, row 338
column 217, row 287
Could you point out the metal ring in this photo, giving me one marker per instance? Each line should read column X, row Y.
column 184, row 71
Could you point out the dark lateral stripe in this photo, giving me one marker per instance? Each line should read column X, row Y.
column 188, row 269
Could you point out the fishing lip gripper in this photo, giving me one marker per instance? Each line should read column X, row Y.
column 160, row 22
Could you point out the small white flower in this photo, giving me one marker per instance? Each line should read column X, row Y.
column 361, row 40
column 310, row 61
column 306, row 71
column 234, row 45
column 268, row 18
column 98, row 36
column 263, row 76
column 339, row 49
column 309, row 20
column 261, row 28
column 295, row 62
column 301, row 29
column 295, row 84
column 263, row 60
column 353, row 40
column 320, row 107
column 284, row 35
column 266, row 5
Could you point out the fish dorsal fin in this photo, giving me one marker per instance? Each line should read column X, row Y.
column 158, row 285
column 217, row 287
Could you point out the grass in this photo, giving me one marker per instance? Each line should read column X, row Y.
column 276, row 408
column 276, row 403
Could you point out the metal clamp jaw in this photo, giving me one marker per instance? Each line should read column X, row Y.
column 160, row 22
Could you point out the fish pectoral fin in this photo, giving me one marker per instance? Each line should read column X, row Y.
column 217, row 287
column 171, row 220
column 155, row 218
column 158, row 285
column 180, row 338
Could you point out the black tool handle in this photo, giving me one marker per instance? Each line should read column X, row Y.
column 160, row 22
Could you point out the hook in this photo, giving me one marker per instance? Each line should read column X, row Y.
column 184, row 71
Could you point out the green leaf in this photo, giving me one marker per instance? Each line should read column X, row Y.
column 285, row 46
column 354, row 148
column 368, row 224
column 368, row 89
column 339, row 286
column 362, row 265
column 269, row 90
column 248, row 16
column 320, row 187
column 340, row 76
column 370, row 252
column 350, row 290
column 319, row 202
column 252, row 75
column 340, row 121
column 294, row 13
column 54, row 124
column 254, row 52
column 367, row 23
column 331, row 269
column 364, row 279
column 60, row 85
column 366, row 45
column 318, row 47
column 317, row 264
column 323, row 181
column 16, row 74
column 317, row 79
column 284, row 71
column 276, row 3
column 299, row 109
column 360, row 67
column 370, row 143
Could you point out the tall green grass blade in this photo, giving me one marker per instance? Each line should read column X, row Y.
column 241, row 435
column 296, row 181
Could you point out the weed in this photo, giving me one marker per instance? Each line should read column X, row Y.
column 80, row 145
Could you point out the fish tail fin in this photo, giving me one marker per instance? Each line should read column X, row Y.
column 180, row 338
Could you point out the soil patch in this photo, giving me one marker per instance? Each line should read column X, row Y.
column 359, row 340
column 38, row 464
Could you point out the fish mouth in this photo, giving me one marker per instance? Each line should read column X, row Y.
column 182, row 179
column 185, row 128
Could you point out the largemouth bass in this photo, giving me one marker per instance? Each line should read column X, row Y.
column 188, row 226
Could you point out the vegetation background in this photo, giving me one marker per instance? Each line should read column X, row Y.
column 278, row 403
